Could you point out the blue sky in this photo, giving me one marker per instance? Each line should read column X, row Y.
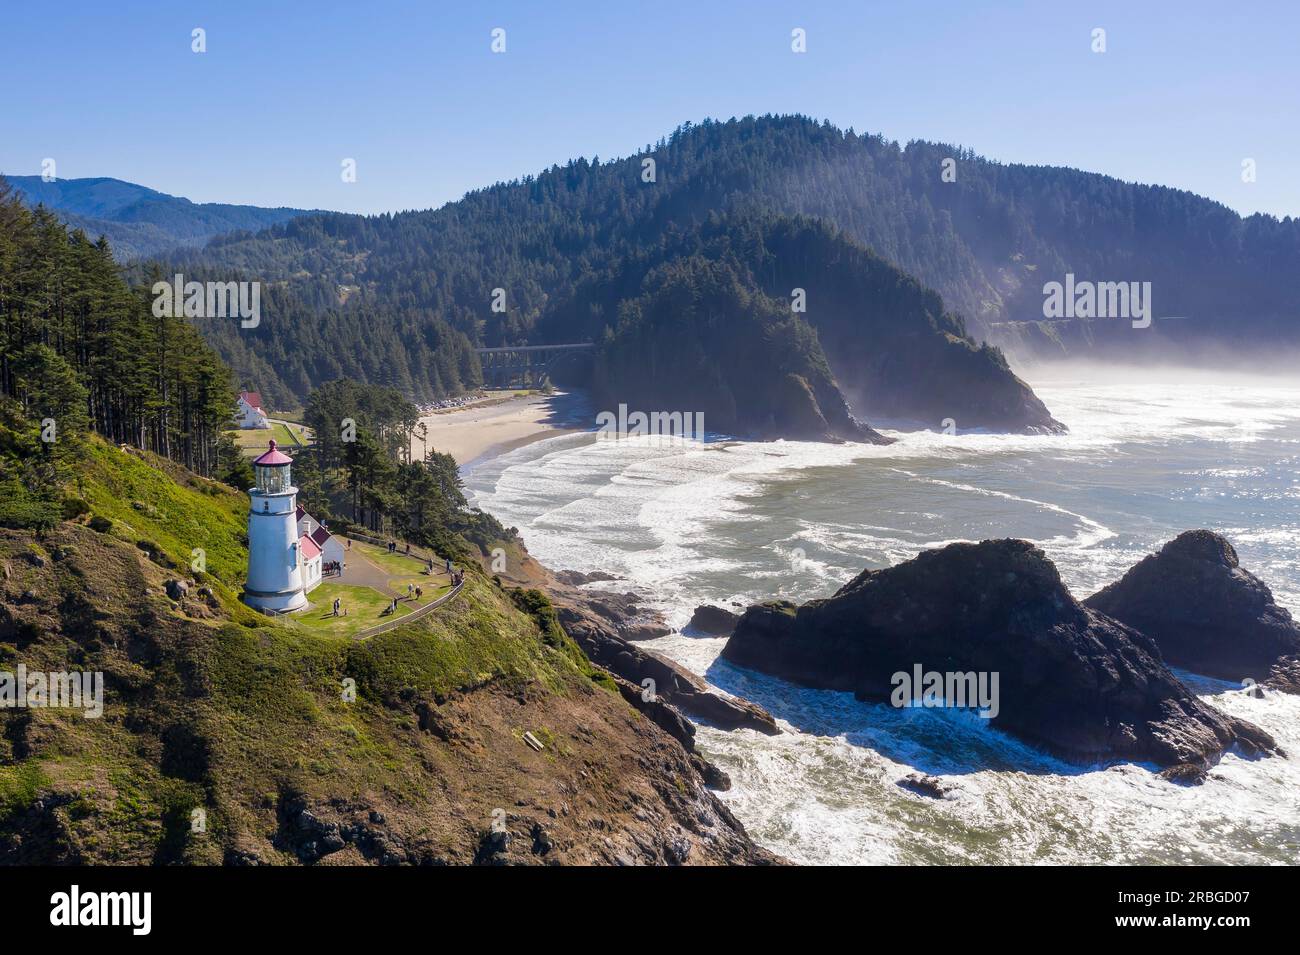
column 286, row 90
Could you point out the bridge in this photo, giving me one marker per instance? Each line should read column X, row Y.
column 525, row 366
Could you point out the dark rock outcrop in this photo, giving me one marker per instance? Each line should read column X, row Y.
column 710, row 619
column 1206, row 613
column 931, row 786
column 633, row 622
column 576, row 578
column 1071, row 680
column 672, row 683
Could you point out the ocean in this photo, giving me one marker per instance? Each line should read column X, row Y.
column 734, row 522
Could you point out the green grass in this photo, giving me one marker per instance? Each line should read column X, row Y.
column 364, row 607
column 397, row 564
column 253, row 441
column 19, row 787
column 432, row 589
column 180, row 519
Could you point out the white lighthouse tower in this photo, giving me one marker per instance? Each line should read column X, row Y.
column 274, row 562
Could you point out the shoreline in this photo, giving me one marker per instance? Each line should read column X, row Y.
column 484, row 429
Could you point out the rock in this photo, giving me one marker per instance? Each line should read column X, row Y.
column 714, row 777
column 1070, row 679
column 176, row 589
column 678, row 851
column 672, row 683
column 377, row 817
column 1204, row 612
column 631, row 621
column 1285, row 675
column 664, row 716
column 493, row 848
column 710, row 619
column 931, row 786
column 331, row 842
column 1186, row 774
column 576, row 578
column 542, row 842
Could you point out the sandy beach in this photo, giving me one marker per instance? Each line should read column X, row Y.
column 491, row 426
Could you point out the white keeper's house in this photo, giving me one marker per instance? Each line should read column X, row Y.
column 331, row 547
column 249, row 412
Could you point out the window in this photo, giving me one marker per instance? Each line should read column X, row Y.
column 273, row 479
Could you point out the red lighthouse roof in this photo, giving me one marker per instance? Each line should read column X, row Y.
column 272, row 457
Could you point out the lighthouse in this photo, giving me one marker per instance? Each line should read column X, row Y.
column 275, row 579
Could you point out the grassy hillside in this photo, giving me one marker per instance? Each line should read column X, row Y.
column 212, row 708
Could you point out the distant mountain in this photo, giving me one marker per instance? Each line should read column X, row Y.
column 141, row 222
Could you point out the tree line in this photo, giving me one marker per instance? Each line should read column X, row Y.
column 81, row 350
column 361, row 470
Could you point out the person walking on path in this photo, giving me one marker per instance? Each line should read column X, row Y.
column 336, row 606
column 419, row 594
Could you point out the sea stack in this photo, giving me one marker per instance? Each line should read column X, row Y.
column 1205, row 612
column 1070, row 680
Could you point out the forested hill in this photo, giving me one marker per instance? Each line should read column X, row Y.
column 390, row 297
column 986, row 242
column 141, row 222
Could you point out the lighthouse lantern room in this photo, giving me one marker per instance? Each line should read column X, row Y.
column 275, row 579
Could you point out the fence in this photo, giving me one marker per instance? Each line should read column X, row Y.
column 413, row 615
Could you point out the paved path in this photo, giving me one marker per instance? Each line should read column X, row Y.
column 413, row 615
column 361, row 571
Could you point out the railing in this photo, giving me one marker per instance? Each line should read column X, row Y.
column 413, row 615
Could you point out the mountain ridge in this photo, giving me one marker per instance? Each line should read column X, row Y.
column 139, row 221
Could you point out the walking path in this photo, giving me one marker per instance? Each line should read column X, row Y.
column 361, row 571
column 413, row 615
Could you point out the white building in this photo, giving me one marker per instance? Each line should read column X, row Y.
column 250, row 413
column 311, row 564
column 331, row 547
column 275, row 551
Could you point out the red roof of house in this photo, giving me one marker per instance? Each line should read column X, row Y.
column 320, row 535
column 309, row 548
column 272, row 456
column 253, row 398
